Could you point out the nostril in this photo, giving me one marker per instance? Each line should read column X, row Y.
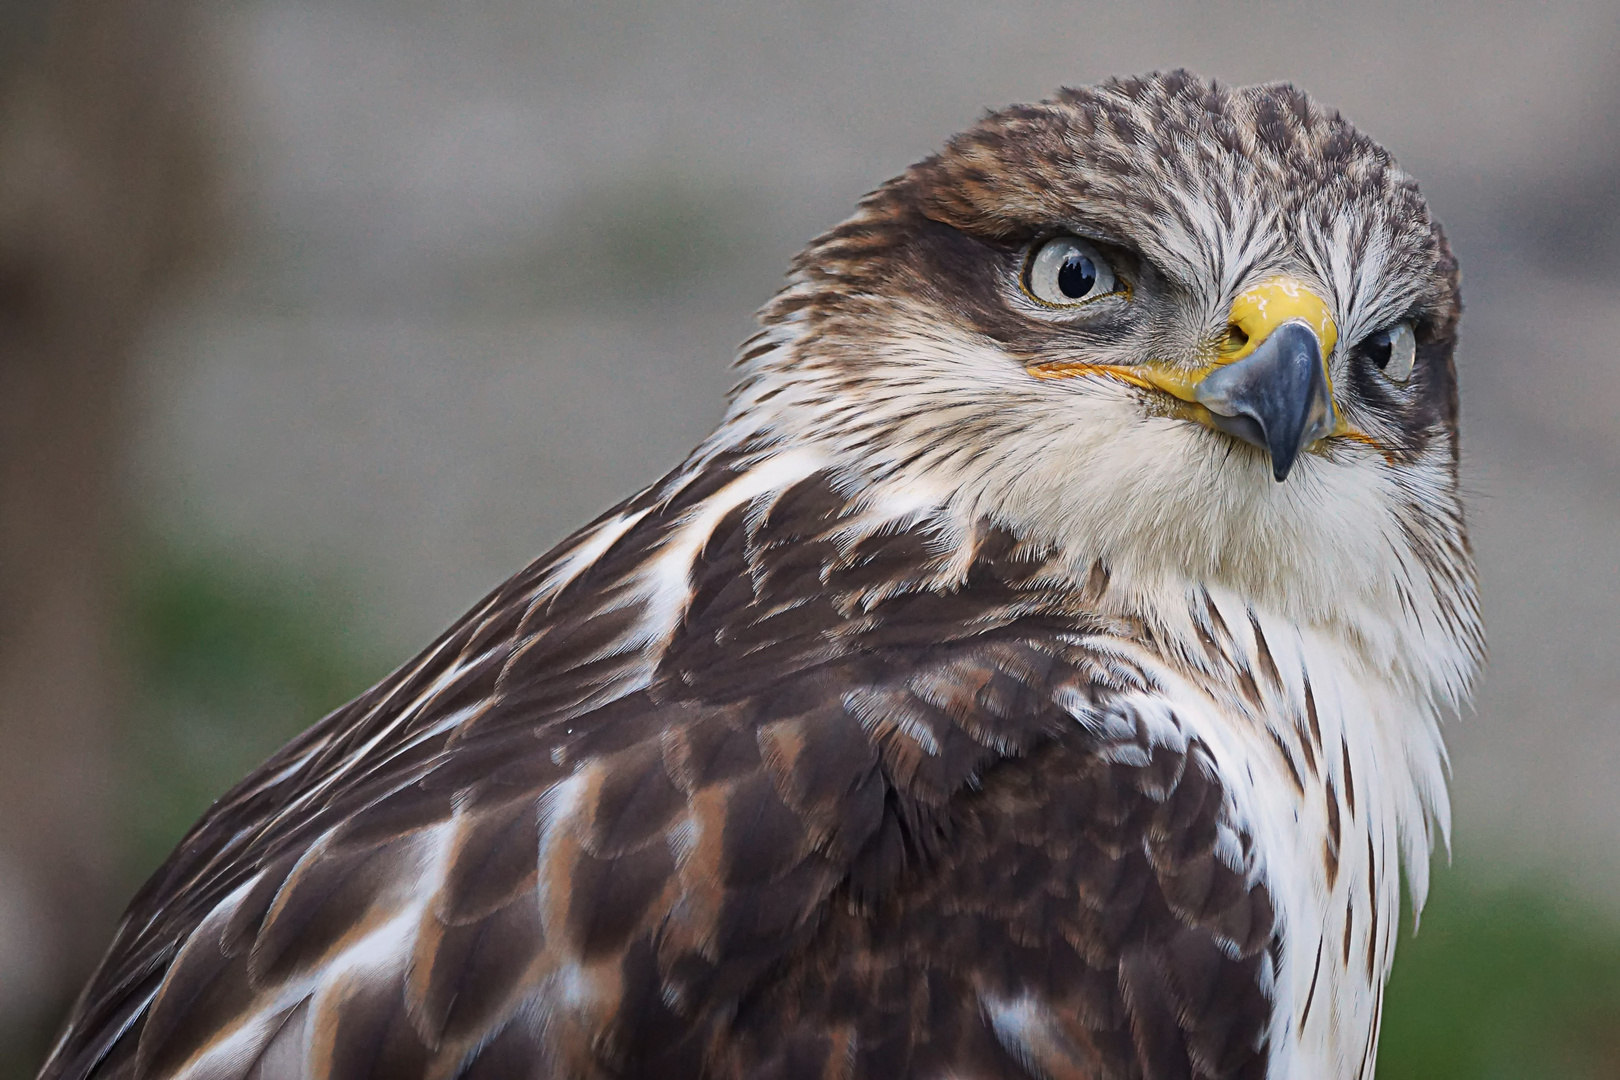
column 1235, row 338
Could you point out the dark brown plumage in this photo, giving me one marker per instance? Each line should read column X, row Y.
column 847, row 881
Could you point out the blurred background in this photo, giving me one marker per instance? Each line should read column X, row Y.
column 319, row 319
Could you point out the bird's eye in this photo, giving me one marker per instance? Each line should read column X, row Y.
column 1066, row 271
column 1393, row 350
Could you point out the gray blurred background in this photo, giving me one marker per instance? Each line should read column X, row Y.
column 318, row 320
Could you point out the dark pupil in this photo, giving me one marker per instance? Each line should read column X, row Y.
column 1379, row 349
column 1077, row 276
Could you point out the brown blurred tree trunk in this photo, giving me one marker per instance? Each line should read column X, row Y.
column 105, row 192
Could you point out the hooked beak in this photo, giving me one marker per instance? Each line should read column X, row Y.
column 1268, row 384
column 1277, row 398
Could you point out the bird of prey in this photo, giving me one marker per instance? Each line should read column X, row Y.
column 1038, row 673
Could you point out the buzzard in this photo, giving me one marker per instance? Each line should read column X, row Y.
column 1038, row 673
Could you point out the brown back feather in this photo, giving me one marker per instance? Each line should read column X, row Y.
column 848, row 813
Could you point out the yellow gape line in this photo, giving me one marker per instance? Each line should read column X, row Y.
column 1255, row 314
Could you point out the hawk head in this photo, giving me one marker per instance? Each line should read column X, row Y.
column 1203, row 334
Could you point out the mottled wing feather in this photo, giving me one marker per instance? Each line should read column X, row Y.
column 841, row 822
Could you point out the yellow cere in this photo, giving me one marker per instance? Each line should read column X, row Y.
column 1260, row 310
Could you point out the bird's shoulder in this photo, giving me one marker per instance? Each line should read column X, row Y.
column 695, row 786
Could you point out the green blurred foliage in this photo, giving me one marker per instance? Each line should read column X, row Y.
column 229, row 662
column 1503, row 982
column 232, row 660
